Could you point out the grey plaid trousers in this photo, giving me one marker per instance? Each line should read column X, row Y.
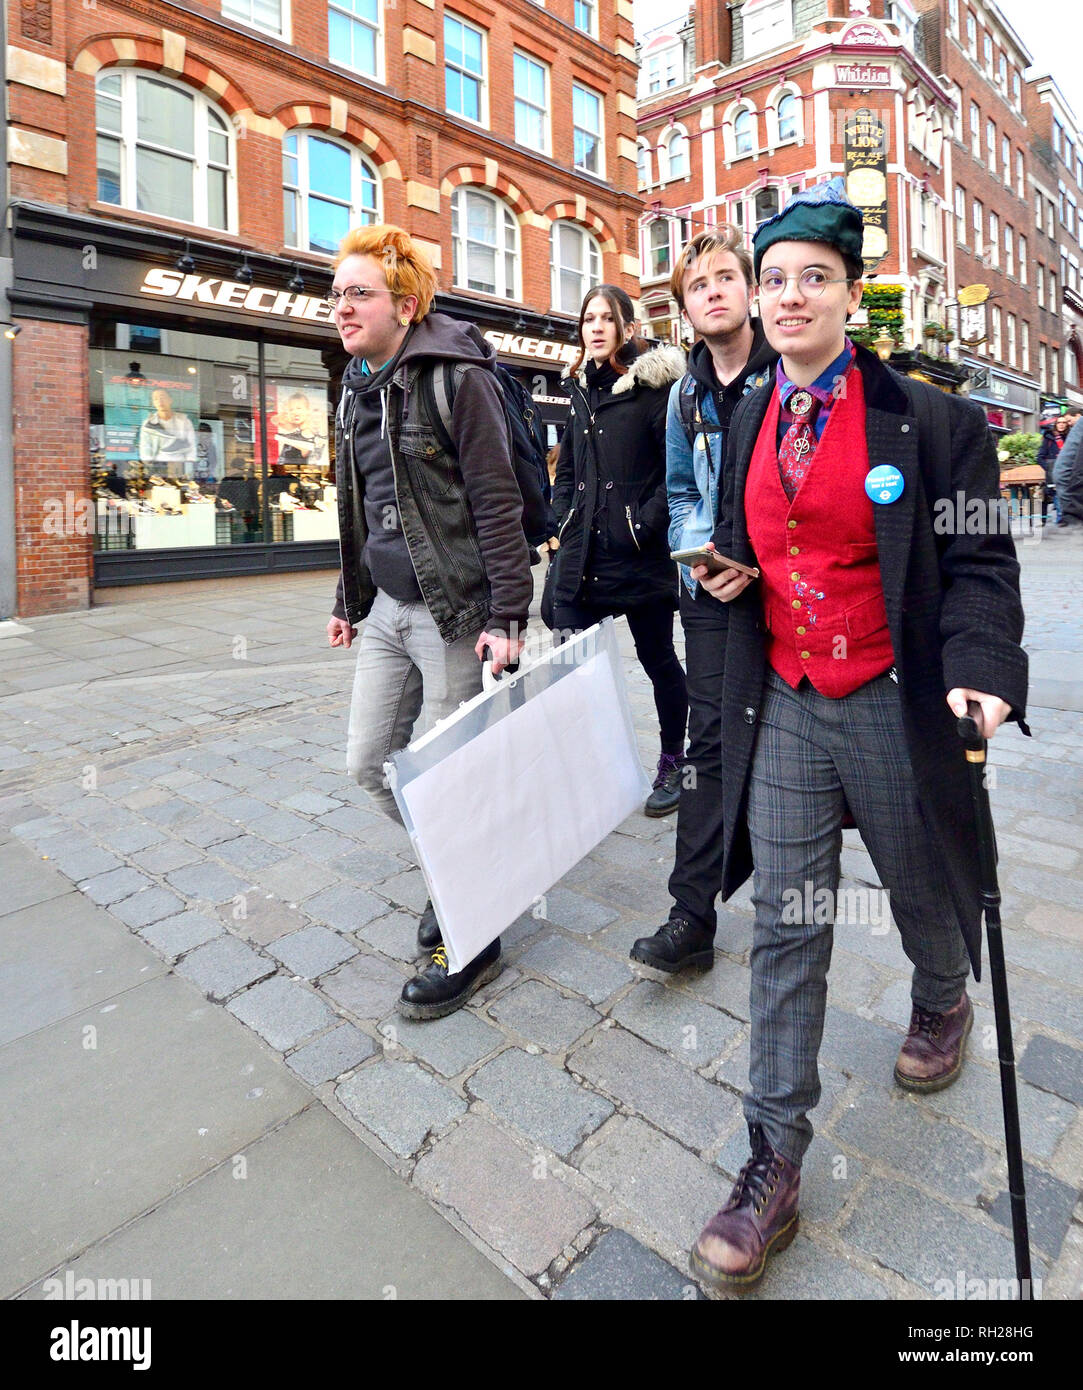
column 813, row 756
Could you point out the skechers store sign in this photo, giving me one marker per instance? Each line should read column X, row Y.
column 232, row 294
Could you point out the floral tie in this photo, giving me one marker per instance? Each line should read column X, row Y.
column 799, row 442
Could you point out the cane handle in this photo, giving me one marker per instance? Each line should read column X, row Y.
column 971, row 728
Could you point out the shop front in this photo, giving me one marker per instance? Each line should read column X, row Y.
column 213, row 377
column 1010, row 402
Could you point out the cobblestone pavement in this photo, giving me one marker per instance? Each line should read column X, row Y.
column 178, row 754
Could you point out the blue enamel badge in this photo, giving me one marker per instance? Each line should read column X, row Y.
column 884, row 484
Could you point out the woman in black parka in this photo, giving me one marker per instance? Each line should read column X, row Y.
column 610, row 501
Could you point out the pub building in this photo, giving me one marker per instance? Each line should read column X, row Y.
column 213, row 378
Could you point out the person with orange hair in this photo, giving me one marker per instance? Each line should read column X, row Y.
column 434, row 557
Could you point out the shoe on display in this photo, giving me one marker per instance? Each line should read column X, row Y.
column 433, row 992
column 677, row 945
column 667, row 786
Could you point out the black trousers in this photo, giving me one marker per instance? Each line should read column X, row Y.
column 651, row 626
column 697, row 870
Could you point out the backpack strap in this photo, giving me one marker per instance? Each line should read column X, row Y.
column 688, row 404
column 438, row 381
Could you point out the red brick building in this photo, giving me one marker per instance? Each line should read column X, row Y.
column 776, row 95
column 994, row 241
column 1056, row 177
column 179, row 175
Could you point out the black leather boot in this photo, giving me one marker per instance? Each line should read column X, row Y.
column 428, row 930
column 667, row 786
column 433, row 992
column 676, row 945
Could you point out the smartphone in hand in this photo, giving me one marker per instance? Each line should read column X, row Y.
column 713, row 559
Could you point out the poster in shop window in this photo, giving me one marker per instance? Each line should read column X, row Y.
column 295, row 415
column 149, row 406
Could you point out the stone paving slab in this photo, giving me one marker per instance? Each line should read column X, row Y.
column 618, row 1268
column 281, row 1012
column 1052, row 1066
column 449, row 1045
column 670, row 1190
column 317, row 1216
column 539, row 1099
column 576, row 967
column 926, row 1241
column 336, row 1052
column 400, row 1103
column 203, row 1090
column 312, row 951
column 367, row 986
column 688, row 1030
column 541, row 1015
column 1050, row 1205
column 223, row 966
column 655, row 1085
column 523, row 1210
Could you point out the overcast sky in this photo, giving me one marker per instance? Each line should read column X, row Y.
column 1052, row 37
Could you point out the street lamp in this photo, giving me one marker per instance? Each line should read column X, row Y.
column 884, row 346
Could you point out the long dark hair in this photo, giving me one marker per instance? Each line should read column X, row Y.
column 623, row 314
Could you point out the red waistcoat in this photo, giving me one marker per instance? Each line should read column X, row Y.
column 823, row 600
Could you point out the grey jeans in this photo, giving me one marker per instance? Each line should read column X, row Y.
column 404, row 669
column 813, row 756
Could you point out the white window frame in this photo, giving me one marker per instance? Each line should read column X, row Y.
column 653, row 242
column 997, row 344
column 677, row 132
column 953, row 17
column 1011, row 340
column 960, row 214
column 343, row 7
column 766, row 25
column 592, row 6
column 544, row 109
column 128, row 139
column 991, row 144
column 230, row 8
column 591, row 276
column 739, row 109
column 599, row 134
column 994, row 239
column 507, row 228
column 1022, row 259
column 972, row 35
column 774, row 120
column 359, row 214
column 1051, row 284
column 987, row 53
column 482, row 80
column 1009, row 249
column 1017, row 89
column 978, row 219
column 1041, row 285
column 975, row 130
column 1006, row 160
column 1043, row 371
column 1020, row 175
column 661, row 70
column 644, row 175
column 1024, row 346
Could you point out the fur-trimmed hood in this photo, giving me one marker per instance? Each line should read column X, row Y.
column 660, row 366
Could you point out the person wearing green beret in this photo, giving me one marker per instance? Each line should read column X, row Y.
column 873, row 619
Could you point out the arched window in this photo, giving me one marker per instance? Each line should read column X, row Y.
column 766, row 205
column 643, row 164
column 677, row 154
column 787, row 117
column 744, row 138
column 163, row 148
column 327, row 188
column 484, row 244
column 576, row 265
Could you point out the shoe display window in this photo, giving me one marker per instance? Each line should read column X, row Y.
column 199, row 440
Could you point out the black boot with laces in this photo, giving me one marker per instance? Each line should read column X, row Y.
column 676, row 945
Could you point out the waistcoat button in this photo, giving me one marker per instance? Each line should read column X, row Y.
column 749, row 715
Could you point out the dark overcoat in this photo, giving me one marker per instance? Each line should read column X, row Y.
column 953, row 610
column 609, row 496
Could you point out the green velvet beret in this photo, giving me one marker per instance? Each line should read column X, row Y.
column 821, row 213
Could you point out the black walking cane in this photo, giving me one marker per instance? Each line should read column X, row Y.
column 972, row 732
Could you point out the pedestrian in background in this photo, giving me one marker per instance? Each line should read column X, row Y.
column 610, row 501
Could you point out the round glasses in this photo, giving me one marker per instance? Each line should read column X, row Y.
column 352, row 294
column 811, row 283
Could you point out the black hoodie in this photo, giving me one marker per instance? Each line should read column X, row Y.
column 761, row 359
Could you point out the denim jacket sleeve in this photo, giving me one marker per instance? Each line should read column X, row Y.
column 681, row 486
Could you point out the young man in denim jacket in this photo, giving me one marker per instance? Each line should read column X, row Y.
column 713, row 284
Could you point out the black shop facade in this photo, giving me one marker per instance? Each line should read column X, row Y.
column 214, row 375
